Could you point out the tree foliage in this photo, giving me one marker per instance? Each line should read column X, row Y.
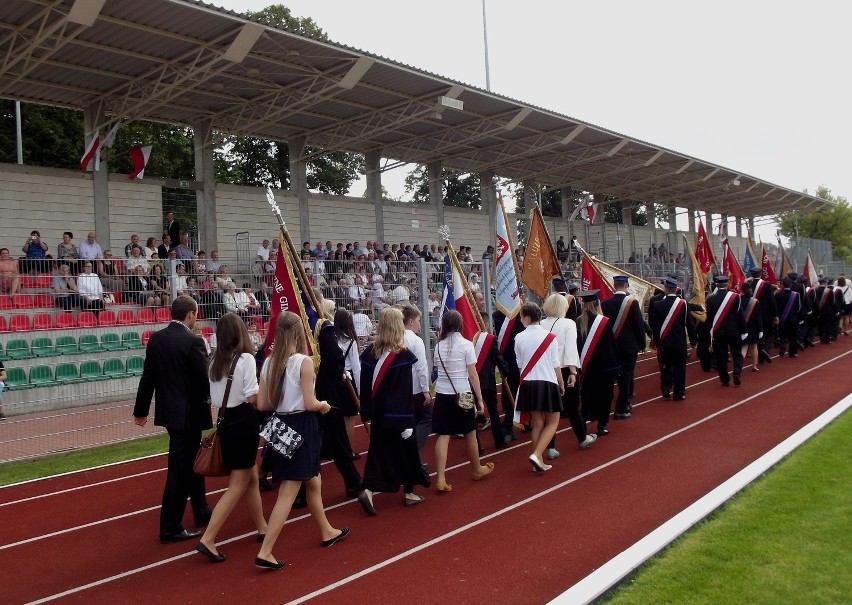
column 834, row 225
column 51, row 136
column 458, row 189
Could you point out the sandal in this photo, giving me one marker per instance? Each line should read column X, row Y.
column 487, row 468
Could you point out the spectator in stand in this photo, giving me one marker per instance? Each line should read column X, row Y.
column 136, row 260
column 662, row 251
column 262, row 255
column 10, row 281
column 305, row 254
column 110, row 271
column 319, row 252
column 489, row 253
column 91, row 249
column 473, row 282
column 134, row 241
column 155, row 260
column 65, row 289
column 381, row 298
column 198, row 267
column 90, row 290
column 229, row 298
column 252, row 306
column 213, row 264
column 358, row 300
column 67, row 253
column 679, row 258
column 263, row 300
column 163, row 249
column 329, row 251
column 183, row 250
column 181, row 283
column 400, row 294
column 36, row 251
column 172, row 227
column 224, row 277
column 160, row 284
column 212, row 300
column 357, row 251
column 150, row 248
column 192, row 289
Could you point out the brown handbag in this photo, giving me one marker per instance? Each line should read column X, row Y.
column 208, row 460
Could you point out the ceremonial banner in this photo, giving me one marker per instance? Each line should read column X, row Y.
column 750, row 259
column 449, row 300
column 810, row 270
column 506, row 291
column 786, row 265
column 768, row 273
column 640, row 289
column 540, row 263
column 592, row 279
column 695, row 291
column 730, row 267
column 703, row 251
column 463, row 298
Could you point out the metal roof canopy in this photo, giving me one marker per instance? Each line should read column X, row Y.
column 186, row 62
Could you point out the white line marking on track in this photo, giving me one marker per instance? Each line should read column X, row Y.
column 467, row 526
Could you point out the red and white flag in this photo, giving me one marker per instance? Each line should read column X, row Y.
column 810, row 270
column 91, row 152
column 592, row 279
column 462, row 295
column 140, row 156
column 731, row 268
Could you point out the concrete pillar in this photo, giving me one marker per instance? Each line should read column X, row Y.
column 93, row 117
column 709, row 224
column 374, row 191
column 208, row 233
column 435, row 190
column 690, row 219
column 672, row 218
column 627, row 216
column 723, row 225
column 751, row 228
column 652, row 220
column 488, row 192
column 299, row 186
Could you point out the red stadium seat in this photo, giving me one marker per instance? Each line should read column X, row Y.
column 29, row 281
column 42, row 321
column 5, row 303
column 4, row 327
column 43, row 280
column 126, row 317
column 146, row 316
column 146, row 336
column 43, row 301
column 65, row 321
column 117, row 297
column 106, row 318
column 206, row 331
column 23, row 301
column 19, row 323
column 86, row 319
column 163, row 314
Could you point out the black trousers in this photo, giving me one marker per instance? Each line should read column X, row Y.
column 335, row 444
column 181, row 482
column 722, row 345
column 767, row 343
column 788, row 336
column 571, row 408
column 512, row 381
column 673, row 371
column 625, row 382
column 596, row 391
column 497, row 429
column 422, row 420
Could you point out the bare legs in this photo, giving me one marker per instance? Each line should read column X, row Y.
column 240, row 481
column 442, row 444
column 543, row 429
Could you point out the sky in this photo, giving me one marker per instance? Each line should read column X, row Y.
column 761, row 87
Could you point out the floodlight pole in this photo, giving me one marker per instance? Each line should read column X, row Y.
column 485, row 40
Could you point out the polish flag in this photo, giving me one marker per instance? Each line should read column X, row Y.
column 463, row 298
column 140, row 156
column 91, row 152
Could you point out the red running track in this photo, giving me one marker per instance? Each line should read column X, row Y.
column 516, row 537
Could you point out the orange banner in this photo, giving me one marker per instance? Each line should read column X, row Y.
column 540, row 264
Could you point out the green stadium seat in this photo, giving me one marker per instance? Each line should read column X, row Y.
column 18, row 349
column 16, row 379
column 135, row 365
column 43, row 347
column 114, row 368
column 110, row 342
column 89, row 344
column 66, row 345
column 41, row 376
column 91, row 370
column 131, row 340
column 66, row 373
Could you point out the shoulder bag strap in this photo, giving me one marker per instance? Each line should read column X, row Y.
column 227, row 390
column 445, row 369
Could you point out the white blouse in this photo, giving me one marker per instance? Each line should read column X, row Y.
column 457, row 353
column 292, row 399
column 566, row 336
column 244, row 384
column 352, row 361
column 526, row 344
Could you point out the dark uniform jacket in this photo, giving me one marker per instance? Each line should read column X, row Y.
column 796, row 313
column 631, row 339
column 733, row 325
column 683, row 323
column 393, row 405
column 766, row 298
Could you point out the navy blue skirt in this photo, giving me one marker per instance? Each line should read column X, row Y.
column 539, row 396
column 238, row 432
column 449, row 419
column 305, row 463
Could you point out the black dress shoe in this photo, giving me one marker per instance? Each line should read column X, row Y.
column 215, row 557
column 737, row 380
column 667, row 395
column 180, row 536
column 603, row 432
column 299, row 503
column 264, row 564
column 343, row 533
column 622, row 415
column 364, row 501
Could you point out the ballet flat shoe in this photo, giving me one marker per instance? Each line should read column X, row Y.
column 487, row 468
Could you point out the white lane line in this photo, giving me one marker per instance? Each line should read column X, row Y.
column 463, row 528
column 613, row 571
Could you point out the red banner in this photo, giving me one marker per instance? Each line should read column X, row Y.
column 286, row 295
column 703, row 251
column 768, row 273
column 593, row 280
column 731, row 268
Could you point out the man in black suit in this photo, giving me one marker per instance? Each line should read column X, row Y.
column 628, row 327
column 727, row 330
column 671, row 324
column 163, row 249
column 176, row 369
column 764, row 292
column 173, row 228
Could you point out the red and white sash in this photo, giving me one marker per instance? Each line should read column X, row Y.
column 482, row 346
column 598, row 326
column 758, row 287
column 621, row 318
column 752, row 305
column 505, row 332
column 542, row 347
column 669, row 321
column 382, row 364
column 823, row 300
column 723, row 311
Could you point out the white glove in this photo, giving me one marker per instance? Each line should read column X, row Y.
column 760, row 334
column 407, row 433
column 744, row 336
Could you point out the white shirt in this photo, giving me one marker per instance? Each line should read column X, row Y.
column 244, row 384
column 400, row 294
column 263, row 253
column 352, row 361
column 378, row 294
column 526, row 344
column 566, row 336
column 457, row 353
column 363, row 324
column 89, row 286
column 420, row 369
column 292, row 399
column 357, row 293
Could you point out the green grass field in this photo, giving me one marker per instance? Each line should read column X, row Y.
column 786, row 539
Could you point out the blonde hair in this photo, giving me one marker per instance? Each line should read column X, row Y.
column 327, row 308
column 593, row 308
column 555, row 305
column 389, row 333
column 289, row 339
